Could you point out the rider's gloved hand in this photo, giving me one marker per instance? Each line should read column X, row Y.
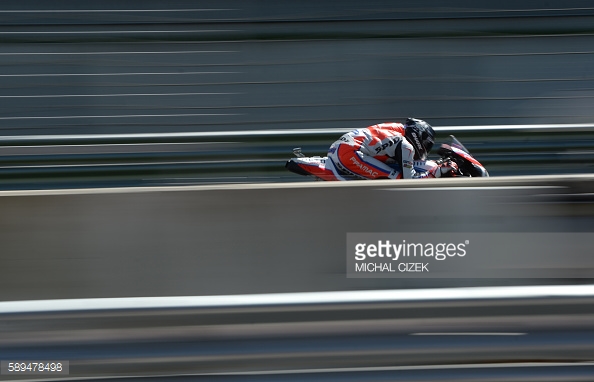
column 446, row 169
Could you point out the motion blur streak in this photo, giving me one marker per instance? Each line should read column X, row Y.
column 296, row 65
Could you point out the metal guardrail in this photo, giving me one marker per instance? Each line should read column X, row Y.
column 555, row 372
column 56, row 161
column 440, row 334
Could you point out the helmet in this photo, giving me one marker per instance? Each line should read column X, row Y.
column 421, row 135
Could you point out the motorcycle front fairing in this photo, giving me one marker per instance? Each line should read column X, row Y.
column 467, row 164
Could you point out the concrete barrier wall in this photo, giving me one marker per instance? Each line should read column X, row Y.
column 257, row 239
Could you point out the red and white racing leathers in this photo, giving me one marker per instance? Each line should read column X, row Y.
column 367, row 153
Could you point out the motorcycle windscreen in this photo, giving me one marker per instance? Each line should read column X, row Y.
column 457, row 144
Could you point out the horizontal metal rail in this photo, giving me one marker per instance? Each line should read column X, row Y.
column 191, row 136
column 57, row 161
column 390, row 333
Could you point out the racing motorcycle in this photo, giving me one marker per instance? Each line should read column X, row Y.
column 454, row 150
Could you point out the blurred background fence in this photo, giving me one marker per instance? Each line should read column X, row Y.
column 132, row 66
column 128, row 67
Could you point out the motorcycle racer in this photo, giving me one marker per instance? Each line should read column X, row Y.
column 386, row 151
